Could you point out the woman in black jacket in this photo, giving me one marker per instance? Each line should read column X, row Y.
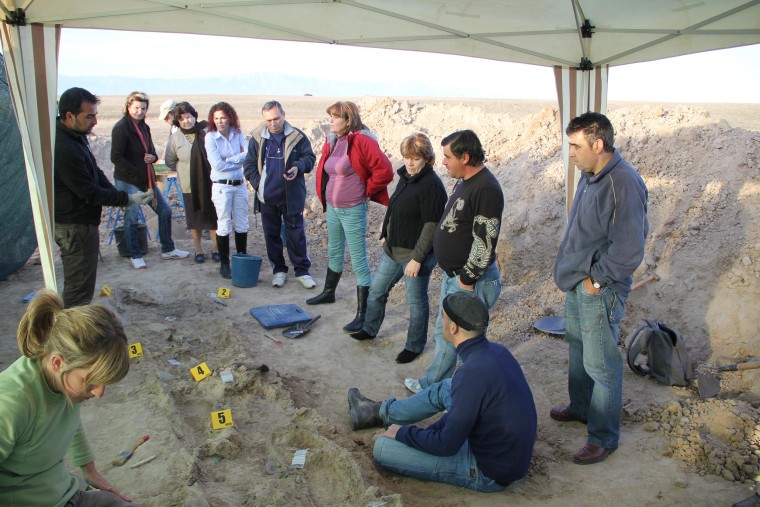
column 414, row 210
column 133, row 155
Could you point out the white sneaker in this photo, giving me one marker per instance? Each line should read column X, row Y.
column 278, row 280
column 139, row 263
column 307, row 281
column 175, row 254
column 413, row 385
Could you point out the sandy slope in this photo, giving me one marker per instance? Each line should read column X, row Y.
column 702, row 175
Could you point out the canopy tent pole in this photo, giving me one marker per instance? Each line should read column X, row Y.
column 578, row 91
column 31, row 58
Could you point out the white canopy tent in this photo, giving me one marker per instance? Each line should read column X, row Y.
column 581, row 39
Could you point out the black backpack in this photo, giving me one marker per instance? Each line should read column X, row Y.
column 668, row 361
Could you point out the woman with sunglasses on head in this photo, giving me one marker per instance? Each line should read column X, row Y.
column 133, row 155
column 351, row 171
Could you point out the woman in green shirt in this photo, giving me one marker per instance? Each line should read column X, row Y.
column 68, row 356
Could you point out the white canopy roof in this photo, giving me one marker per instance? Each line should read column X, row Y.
column 541, row 32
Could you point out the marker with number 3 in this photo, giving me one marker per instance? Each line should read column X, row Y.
column 135, row 350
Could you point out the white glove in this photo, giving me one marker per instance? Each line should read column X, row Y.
column 141, row 197
column 136, row 198
column 147, row 196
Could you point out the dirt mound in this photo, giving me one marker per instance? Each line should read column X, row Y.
column 704, row 242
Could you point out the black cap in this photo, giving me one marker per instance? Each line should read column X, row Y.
column 467, row 312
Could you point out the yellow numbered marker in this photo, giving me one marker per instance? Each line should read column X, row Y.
column 200, row 372
column 105, row 291
column 135, row 350
column 223, row 292
column 221, row 419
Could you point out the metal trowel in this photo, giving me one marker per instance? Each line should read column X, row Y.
column 709, row 384
column 300, row 329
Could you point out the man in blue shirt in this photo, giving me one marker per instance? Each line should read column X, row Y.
column 485, row 440
column 602, row 247
column 278, row 157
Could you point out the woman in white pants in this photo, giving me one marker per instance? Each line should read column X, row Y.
column 226, row 148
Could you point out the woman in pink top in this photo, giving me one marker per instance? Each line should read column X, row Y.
column 352, row 170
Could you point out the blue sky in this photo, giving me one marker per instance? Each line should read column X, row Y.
column 730, row 75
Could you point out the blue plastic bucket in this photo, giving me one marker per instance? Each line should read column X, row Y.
column 245, row 270
column 121, row 241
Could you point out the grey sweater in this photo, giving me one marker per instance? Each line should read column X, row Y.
column 607, row 229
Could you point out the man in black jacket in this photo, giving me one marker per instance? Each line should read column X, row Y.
column 81, row 190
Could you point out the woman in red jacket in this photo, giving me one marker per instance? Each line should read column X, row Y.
column 352, row 170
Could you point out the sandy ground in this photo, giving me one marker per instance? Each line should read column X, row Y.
column 701, row 167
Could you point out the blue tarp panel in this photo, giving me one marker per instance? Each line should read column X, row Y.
column 17, row 237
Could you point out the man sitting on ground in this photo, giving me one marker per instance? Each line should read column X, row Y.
column 485, row 440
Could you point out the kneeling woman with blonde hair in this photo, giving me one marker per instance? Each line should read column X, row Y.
column 68, row 356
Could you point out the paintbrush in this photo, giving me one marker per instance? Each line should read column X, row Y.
column 125, row 455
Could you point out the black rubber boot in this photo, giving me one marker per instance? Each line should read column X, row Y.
column 241, row 242
column 223, row 242
column 362, row 335
column 362, row 291
column 406, row 356
column 328, row 293
column 363, row 412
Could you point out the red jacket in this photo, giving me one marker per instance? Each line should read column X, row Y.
column 369, row 162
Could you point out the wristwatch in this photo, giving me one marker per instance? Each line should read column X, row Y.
column 596, row 284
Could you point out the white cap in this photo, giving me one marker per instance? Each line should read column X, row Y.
column 166, row 108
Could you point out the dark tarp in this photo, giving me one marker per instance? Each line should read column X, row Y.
column 17, row 237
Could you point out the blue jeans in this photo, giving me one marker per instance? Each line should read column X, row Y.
column 487, row 289
column 348, row 225
column 461, row 469
column 387, row 274
column 279, row 226
column 426, row 403
column 132, row 219
column 595, row 370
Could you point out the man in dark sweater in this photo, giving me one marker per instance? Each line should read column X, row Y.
column 465, row 240
column 81, row 191
column 602, row 247
column 485, row 440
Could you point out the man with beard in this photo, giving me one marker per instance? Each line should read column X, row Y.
column 81, row 191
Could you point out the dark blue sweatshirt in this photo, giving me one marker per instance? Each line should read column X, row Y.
column 491, row 407
column 607, row 229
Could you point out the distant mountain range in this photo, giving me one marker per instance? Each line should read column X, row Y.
column 259, row 84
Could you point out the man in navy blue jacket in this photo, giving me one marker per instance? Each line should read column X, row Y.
column 603, row 246
column 485, row 440
column 278, row 157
